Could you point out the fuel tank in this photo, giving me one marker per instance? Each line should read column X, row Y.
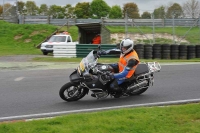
column 105, row 67
column 92, row 81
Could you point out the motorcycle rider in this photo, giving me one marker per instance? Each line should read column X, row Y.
column 126, row 66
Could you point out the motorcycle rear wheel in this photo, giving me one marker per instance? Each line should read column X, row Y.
column 138, row 92
column 68, row 90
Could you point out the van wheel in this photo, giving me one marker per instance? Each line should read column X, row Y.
column 45, row 53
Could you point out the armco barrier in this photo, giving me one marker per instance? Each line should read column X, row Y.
column 145, row 51
column 83, row 49
column 63, row 50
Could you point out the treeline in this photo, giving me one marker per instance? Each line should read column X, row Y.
column 99, row 8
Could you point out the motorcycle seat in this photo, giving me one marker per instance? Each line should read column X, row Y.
column 142, row 68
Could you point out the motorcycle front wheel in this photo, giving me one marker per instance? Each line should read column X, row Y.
column 70, row 92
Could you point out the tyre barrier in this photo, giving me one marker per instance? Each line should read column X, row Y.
column 157, row 51
column 191, row 51
column 145, row 51
column 139, row 48
column 174, row 51
column 182, row 51
column 148, row 49
column 165, row 51
column 198, row 51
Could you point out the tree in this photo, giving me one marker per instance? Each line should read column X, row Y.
column 191, row 8
column 99, row 8
column 146, row 15
column 82, row 10
column 1, row 9
column 159, row 12
column 131, row 9
column 21, row 6
column 69, row 11
column 7, row 9
column 56, row 11
column 175, row 10
column 115, row 12
column 31, row 8
column 43, row 9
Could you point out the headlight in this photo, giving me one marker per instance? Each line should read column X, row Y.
column 43, row 45
column 79, row 71
column 82, row 66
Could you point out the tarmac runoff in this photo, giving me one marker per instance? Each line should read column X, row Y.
column 36, row 65
column 66, row 65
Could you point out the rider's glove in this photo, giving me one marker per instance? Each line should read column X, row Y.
column 102, row 52
column 110, row 76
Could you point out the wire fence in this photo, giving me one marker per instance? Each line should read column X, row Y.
column 133, row 28
column 10, row 13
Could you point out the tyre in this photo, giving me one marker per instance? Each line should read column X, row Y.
column 45, row 53
column 157, row 51
column 70, row 92
column 148, row 51
column 197, row 51
column 166, row 51
column 138, row 92
column 182, row 51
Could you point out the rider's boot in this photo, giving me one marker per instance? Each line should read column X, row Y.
column 93, row 95
column 115, row 88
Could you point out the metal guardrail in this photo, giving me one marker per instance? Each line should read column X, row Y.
column 185, row 22
column 63, row 50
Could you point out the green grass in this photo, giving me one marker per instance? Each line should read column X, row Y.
column 22, row 39
column 193, row 36
column 168, row 119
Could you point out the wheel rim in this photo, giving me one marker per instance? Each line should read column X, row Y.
column 72, row 92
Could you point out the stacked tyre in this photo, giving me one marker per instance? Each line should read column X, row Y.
column 191, row 51
column 148, row 51
column 198, row 51
column 139, row 48
column 166, row 51
column 182, row 51
column 174, row 52
column 157, row 51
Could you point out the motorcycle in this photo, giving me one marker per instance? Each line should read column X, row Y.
column 93, row 76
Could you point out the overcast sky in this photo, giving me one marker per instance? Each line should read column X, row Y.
column 143, row 5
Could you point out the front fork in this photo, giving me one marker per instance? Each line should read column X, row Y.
column 78, row 88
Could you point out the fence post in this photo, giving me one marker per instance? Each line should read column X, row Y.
column 48, row 19
column 163, row 22
column 23, row 21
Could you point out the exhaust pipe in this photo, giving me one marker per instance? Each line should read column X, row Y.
column 137, row 86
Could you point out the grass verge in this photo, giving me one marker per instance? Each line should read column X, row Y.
column 167, row 119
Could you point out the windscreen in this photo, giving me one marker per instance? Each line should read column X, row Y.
column 57, row 39
column 87, row 62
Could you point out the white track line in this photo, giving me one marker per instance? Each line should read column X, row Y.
column 19, row 79
column 42, row 115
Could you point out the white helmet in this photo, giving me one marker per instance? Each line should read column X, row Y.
column 128, row 44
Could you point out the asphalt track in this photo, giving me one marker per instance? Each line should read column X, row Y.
column 31, row 90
